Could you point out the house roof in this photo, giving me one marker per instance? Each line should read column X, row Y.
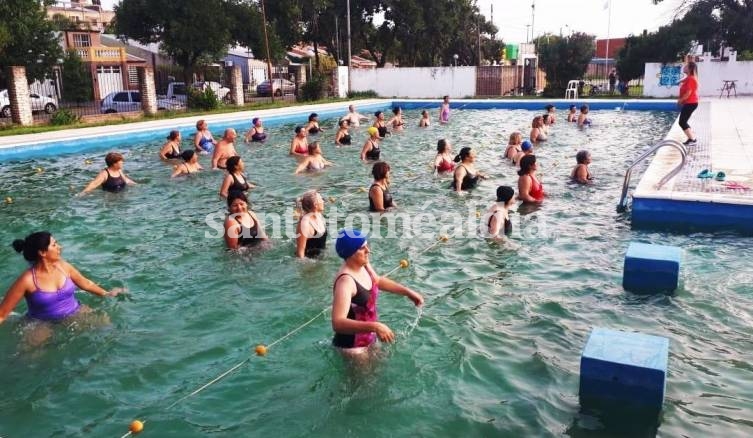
column 615, row 44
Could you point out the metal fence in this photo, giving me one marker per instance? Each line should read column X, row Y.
column 508, row 80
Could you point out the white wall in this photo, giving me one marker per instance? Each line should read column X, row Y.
column 418, row 82
column 710, row 76
column 342, row 81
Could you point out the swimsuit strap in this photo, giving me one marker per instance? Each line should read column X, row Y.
column 34, row 277
column 187, row 169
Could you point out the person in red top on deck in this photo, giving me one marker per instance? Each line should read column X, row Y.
column 688, row 100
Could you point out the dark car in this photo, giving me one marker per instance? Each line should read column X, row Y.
column 281, row 86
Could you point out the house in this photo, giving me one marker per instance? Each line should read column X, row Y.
column 112, row 69
column 253, row 71
column 85, row 13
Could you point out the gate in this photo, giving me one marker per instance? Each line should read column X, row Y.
column 110, row 79
column 489, row 81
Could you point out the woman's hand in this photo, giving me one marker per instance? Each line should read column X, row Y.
column 416, row 297
column 384, row 333
column 114, row 292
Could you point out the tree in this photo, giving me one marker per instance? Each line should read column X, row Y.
column 190, row 31
column 563, row 59
column 27, row 39
column 734, row 19
column 667, row 44
column 77, row 80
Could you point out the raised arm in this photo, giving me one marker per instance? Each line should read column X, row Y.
column 86, row 284
column 13, row 296
column 96, row 182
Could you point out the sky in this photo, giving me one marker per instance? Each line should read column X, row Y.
column 589, row 16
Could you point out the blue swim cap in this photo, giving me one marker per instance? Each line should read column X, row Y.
column 349, row 240
column 526, row 145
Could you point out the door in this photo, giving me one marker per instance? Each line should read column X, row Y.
column 109, row 78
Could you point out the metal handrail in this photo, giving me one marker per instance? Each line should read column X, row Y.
column 622, row 205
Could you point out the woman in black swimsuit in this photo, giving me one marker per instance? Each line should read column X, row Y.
column 466, row 176
column 581, row 174
column 380, row 199
column 112, row 178
column 312, row 127
column 499, row 219
column 242, row 227
column 189, row 165
column 312, row 228
column 380, row 124
column 235, row 181
column 342, row 138
column 370, row 149
column 171, row 149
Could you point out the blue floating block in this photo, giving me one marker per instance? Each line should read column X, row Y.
column 651, row 268
column 624, row 369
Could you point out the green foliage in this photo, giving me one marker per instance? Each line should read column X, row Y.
column 64, row 117
column 77, row 80
column 746, row 55
column 202, row 100
column 563, row 59
column 315, row 88
column 27, row 39
column 667, row 44
column 190, row 31
column 362, row 94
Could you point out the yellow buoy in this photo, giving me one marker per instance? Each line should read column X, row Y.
column 136, row 426
column 39, row 170
column 87, row 162
column 8, row 200
column 261, row 350
column 362, row 189
column 332, row 199
column 478, row 213
column 444, row 237
column 404, row 263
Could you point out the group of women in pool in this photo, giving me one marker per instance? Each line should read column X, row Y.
column 48, row 285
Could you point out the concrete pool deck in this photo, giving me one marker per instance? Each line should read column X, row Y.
column 724, row 129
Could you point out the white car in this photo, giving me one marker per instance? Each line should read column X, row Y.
column 38, row 103
column 177, row 90
column 125, row 101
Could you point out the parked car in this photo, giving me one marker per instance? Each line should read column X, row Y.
column 124, row 101
column 177, row 90
column 281, row 86
column 38, row 103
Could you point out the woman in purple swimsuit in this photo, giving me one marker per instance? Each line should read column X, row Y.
column 49, row 284
column 355, row 292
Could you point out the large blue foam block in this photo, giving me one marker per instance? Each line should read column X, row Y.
column 627, row 369
column 651, row 268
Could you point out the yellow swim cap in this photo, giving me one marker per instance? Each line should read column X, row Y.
column 372, row 131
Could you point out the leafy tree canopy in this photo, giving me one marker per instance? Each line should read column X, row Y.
column 27, row 39
column 564, row 59
column 725, row 20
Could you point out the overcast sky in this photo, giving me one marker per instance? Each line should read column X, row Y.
column 590, row 16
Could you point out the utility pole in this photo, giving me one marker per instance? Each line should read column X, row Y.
column 533, row 18
column 606, row 50
column 349, row 54
column 478, row 29
column 528, row 26
column 269, row 60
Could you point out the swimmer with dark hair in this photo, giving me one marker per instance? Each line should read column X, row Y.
column 443, row 160
column 235, row 182
column 397, row 120
column 312, row 228
column 380, row 199
column 583, row 119
column 256, row 134
column 425, row 120
column 380, row 124
column 171, row 149
column 242, row 227
column 189, row 165
column 499, row 219
column 466, row 176
column 581, row 174
column 299, row 146
column 48, row 286
column 112, row 178
column 355, row 291
column 312, row 126
column 342, row 138
column 572, row 115
column 530, row 190
column 550, row 109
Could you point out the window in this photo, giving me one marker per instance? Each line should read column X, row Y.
column 121, row 97
column 82, row 40
column 136, row 96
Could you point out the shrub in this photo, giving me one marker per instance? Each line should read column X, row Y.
column 202, row 100
column 314, row 89
column 64, row 117
column 362, row 94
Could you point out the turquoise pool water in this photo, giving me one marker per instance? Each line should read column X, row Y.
column 495, row 352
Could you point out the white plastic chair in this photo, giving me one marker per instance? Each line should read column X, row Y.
column 572, row 90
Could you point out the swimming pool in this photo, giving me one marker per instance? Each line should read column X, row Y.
column 495, row 351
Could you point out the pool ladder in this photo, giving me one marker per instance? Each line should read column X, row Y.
column 622, row 206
